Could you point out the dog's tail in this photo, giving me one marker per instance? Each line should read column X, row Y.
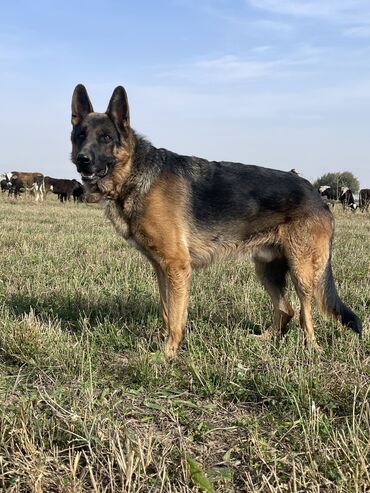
column 329, row 302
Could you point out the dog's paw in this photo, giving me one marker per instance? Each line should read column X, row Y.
column 170, row 351
column 314, row 346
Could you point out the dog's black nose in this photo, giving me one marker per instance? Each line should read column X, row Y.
column 83, row 160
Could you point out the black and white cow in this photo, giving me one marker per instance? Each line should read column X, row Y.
column 5, row 182
column 344, row 195
column 364, row 199
column 346, row 199
column 5, row 185
column 328, row 192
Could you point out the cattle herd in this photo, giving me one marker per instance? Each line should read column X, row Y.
column 345, row 196
column 39, row 186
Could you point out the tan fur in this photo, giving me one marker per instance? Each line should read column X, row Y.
column 307, row 247
column 204, row 252
column 110, row 186
column 161, row 234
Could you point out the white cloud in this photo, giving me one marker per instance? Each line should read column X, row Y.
column 352, row 16
column 261, row 49
column 346, row 11
column 15, row 54
column 358, row 31
column 235, row 14
column 232, row 67
column 228, row 68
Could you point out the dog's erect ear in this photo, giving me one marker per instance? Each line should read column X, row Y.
column 118, row 110
column 81, row 104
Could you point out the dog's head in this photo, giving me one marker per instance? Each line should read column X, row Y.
column 96, row 137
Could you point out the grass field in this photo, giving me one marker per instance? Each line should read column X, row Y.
column 87, row 403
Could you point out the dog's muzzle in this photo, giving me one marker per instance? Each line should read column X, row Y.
column 95, row 176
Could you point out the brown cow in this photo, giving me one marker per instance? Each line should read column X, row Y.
column 32, row 182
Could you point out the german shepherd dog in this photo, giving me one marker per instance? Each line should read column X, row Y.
column 184, row 212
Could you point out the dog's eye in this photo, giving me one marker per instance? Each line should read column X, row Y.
column 106, row 138
column 81, row 136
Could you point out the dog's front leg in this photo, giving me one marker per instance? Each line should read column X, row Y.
column 163, row 290
column 178, row 286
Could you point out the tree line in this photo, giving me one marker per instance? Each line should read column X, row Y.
column 338, row 180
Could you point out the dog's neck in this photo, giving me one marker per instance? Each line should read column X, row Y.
column 137, row 165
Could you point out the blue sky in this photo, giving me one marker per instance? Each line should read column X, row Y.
column 279, row 83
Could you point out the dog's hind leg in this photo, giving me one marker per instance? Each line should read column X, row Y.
column 272, row 275
column 307, row 247
column 303, row 276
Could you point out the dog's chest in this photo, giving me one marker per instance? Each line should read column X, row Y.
column 119, row 218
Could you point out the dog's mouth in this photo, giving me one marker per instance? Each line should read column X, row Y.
column 94, row 177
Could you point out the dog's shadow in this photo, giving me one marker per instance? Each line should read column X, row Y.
column 135, row 310
column 74, row 311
